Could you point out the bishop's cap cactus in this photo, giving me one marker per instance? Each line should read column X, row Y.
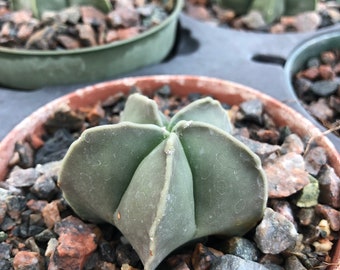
column 165, row 182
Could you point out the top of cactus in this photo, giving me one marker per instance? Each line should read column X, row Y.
column 165, row 182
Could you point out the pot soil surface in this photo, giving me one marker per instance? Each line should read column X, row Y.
column 318, row 88
column 39, row 230
column 78, row 27
column 326, row 14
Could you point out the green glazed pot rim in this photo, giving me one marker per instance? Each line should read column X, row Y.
column 178, row 7
column 321, row 39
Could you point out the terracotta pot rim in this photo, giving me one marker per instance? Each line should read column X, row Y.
column 28, row 125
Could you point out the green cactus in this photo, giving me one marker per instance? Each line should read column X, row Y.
column 271, row 10
column 39, row 6
column 165, row 182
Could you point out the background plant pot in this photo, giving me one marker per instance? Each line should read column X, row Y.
column 30, row 69
column 231, row 93
column 296, row 61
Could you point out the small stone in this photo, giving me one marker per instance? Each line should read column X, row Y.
column 42, row 39
column 306, row 216
column 324, row 88
column 68, row 42
column 313, row 62
column 27, row 260
column 309, row 194
column 22, row 177
column 92, row 16
column 293, row 263
column 230, row 262
column 241, row 247
column 76, row 244
column 283, row 207
column 286, row 175
column 329, row 187
column 307, row 21
column 51, row 214
column 44, row 188
column 15, row 206
column 51, row 247
column 263, row 150
column 179, row 262
column 330, row 214
column 292, row 143
column 87, row 35
column 25, row 31
column 111, row 36
column 253, row 20
column 127, row 33
column 323, row 245
column 321, row 110
column 326, row 72
column 197, row 12
column 123, row 17
column 70, row 15
column 328, row 57
column 252, row 110
column 3, row 237
column 45, row 235
column 310, row 73
column 203, row 257
column 275, row 233
column 5, row 251
column 36, row 205
column 315, row 158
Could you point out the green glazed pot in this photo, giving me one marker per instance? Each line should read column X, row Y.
column 296, row 61
column 32, row 69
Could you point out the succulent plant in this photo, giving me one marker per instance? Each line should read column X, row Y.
column 163, row 182
column 39, row 6
column 271, row 10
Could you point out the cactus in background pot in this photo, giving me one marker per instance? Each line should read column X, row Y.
column 165, row 182
column 271, row 10
column 39, row 6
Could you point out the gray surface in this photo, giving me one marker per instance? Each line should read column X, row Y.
column 202, row 50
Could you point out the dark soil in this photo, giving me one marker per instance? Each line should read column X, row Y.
column 20, row 233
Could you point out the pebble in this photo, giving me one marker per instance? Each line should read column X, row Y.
column 307, row 21
column 26, row 260
column 309, row 194
column 231, row 262
column 22, row 177
column 242, row 248
column 252, row 110
column 76, row 243
column 293, row 263
column 51, row 214
column 329, row 184
column 292, row 143
column 286, row 175
column 275, row 233
column 314, row 159
column 324, row 88
column 203, row 257
column 332, row 215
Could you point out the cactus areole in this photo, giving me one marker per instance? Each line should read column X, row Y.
column 165, row 182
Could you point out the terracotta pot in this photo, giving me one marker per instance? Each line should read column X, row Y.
column 224, row 91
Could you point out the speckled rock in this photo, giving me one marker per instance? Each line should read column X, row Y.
column 309, row 194
column 315, row 158
column 332, row 215
column 76, row 244
column 292, row 143
column 26, row 260
column 231, row 262
column 242, row 248
column 293, row 263
column 286, row 175
column 329, row 187
column 275, row 233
